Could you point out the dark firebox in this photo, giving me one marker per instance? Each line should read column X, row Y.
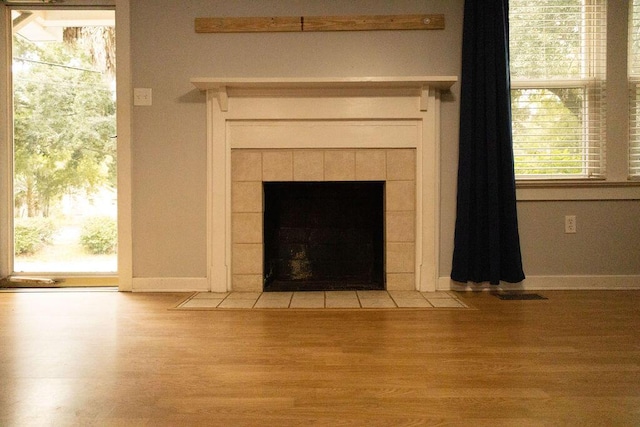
column 323, row 236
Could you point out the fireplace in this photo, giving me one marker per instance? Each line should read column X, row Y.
column 253, row 170
column 319, row 133
column 322, row 236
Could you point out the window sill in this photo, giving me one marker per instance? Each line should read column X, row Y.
column 577, row 190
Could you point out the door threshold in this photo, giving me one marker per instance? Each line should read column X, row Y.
column 62, row 281
column 43, row 289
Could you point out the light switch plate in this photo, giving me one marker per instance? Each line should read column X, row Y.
column 142, row 96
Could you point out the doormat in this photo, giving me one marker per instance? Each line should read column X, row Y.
column 520, row 297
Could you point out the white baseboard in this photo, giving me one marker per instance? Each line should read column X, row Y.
column 170, row 284
column 535, row 283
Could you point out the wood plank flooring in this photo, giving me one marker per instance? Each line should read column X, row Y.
column 108, row 358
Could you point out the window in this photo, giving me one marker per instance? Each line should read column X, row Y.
column 634, row 90
column 557, row 50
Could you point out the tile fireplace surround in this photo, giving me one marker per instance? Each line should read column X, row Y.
column 323, row 129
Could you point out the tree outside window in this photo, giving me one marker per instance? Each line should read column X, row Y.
column 557, row 54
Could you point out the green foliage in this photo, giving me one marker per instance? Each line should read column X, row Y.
column 547, row 131
column 64, row 125
column 100, row 235
column 30, row 234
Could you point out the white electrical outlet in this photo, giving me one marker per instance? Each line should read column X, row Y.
column 142, row 96
column 570, row 225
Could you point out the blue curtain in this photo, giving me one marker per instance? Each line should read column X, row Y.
column 486, row 243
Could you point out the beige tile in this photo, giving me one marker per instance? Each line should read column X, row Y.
column 400, row 196
column 372, row 294
column 400, row 226
column 307, row 300
column 274, row 300
column 400, row 294
column 371, row 165
column 211, row 295
column 378, row 302
column 375, row 299
column 246, row 258
column 308, row 294
column 339, row 165
column 246, row 283
column 308, row 165
column 401, row 165
column 443, row 299
column 237, row 303
column 409, row 299
column 202, row 303
column 412, row 303
column 246, row 196
column 438, row 295
column 244, row 295
column 246, row 227
column 342, row 299
column 400, row 257
column 445, row 302
column 277, row 165
column 246, row 165
column 401, row 281
column 276, row 296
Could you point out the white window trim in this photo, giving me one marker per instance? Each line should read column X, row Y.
column 6, row 200
column 634, row 83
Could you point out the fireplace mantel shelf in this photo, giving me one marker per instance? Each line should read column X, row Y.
column 420, row 84
column 417, row 82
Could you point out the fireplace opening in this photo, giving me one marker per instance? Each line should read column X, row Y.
column 322, row 236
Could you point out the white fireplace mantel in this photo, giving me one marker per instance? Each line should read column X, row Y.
column 293, row 114
column 422, row 84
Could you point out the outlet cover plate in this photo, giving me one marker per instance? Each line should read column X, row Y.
column 570, row 224
column 142, row 96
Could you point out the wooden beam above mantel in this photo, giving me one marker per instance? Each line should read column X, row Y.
column 319, row 23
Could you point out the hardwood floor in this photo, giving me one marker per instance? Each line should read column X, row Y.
column 107, row 358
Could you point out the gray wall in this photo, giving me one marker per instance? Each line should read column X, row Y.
column 169, row 137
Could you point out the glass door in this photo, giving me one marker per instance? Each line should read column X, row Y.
column 64, row 142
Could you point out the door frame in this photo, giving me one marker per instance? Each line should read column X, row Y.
column 123, row 126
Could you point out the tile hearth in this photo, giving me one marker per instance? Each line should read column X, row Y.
column 322, row 300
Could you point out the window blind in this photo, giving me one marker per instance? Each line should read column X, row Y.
column 634, row 90
column 558, row 70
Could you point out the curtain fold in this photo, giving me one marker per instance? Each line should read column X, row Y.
column 486, row 242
